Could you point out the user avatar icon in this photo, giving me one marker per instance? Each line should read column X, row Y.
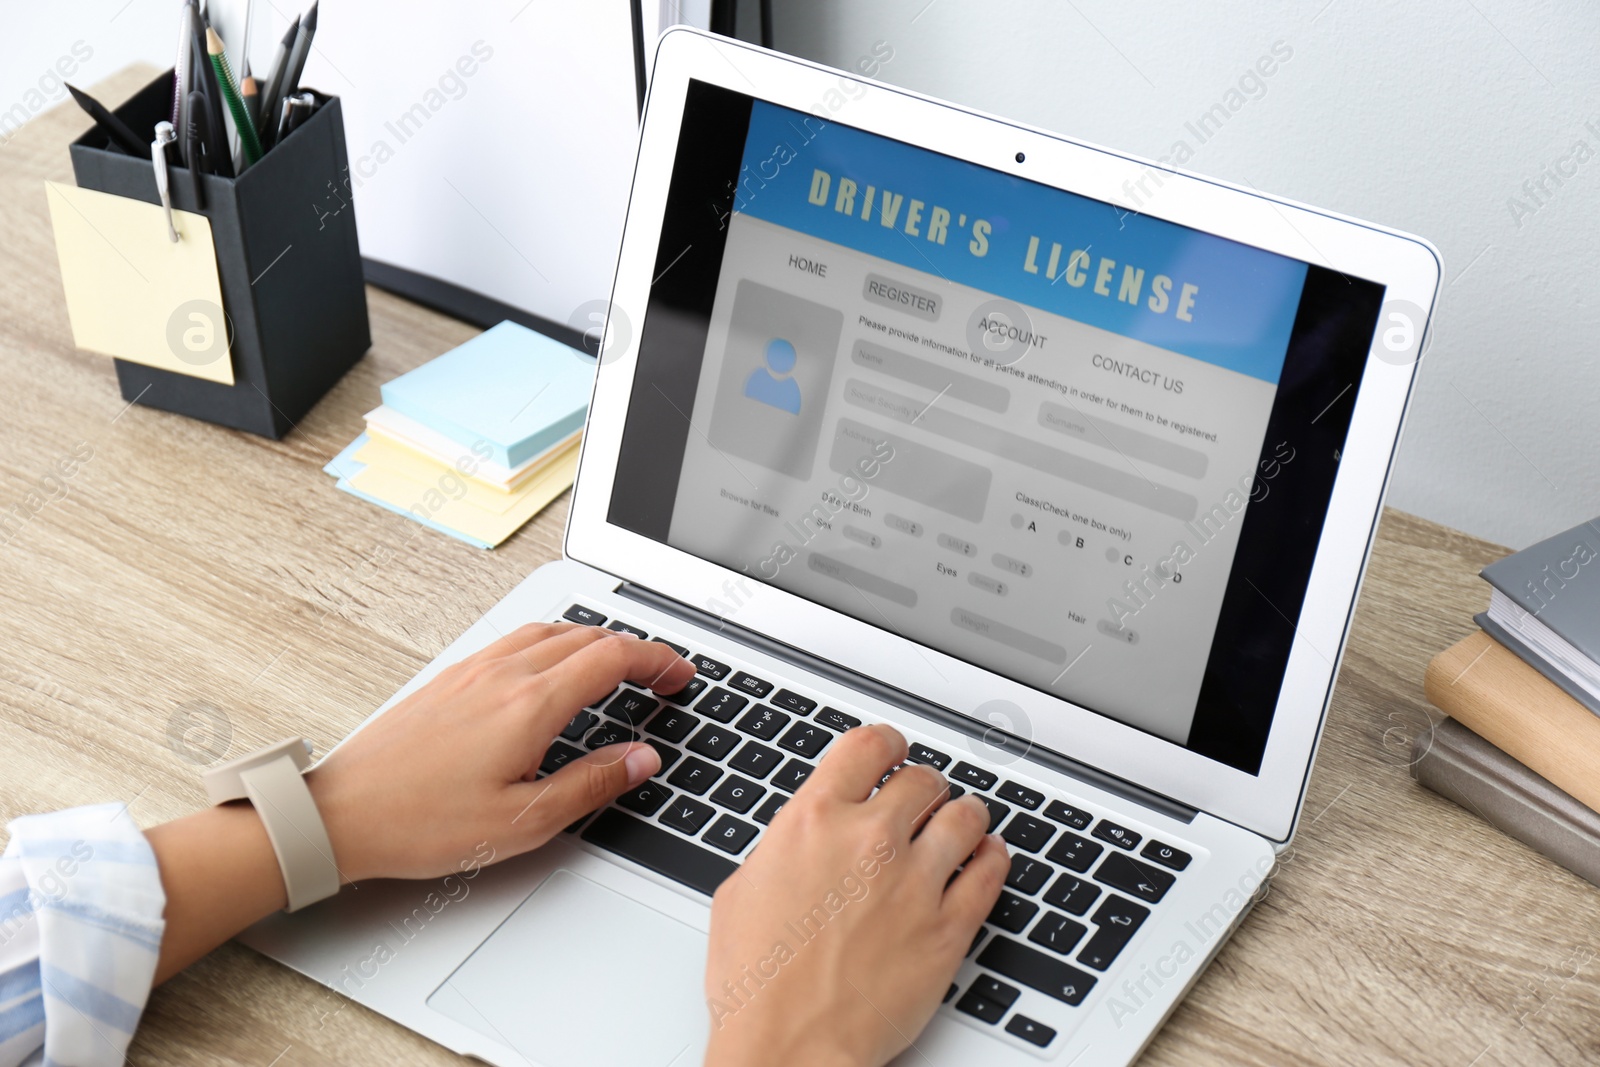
column 772, row 385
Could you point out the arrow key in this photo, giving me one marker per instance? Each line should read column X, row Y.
column 992, row 989
column 1025, row 1028
column 980, row 1008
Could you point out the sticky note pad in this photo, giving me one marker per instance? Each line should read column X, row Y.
column 515, row 390
column 394, row 428
column 402, row 461
column 344, row 467
column 132, row 292
column 436, row 504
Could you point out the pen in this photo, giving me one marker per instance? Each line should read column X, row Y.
column 115, row 128
column 280, row 127
column 182, row 75
column 214, row 126
column 296, row 108
column 272, row 91
column 214, row 143
column 300, row 109
column 193, row 151
column 230, row 95
column 165, row 135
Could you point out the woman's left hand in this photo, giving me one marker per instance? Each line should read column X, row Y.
column 445, row 779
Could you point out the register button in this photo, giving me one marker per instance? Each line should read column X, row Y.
column 908, row 298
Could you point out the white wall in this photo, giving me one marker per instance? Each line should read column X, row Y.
column 81, row 37
column 1425, row 116
column 1428, row 116
column 87, row 40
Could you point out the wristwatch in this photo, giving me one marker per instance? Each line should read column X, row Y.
column 270, row 778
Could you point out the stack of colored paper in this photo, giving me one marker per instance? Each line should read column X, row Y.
column 476, row 442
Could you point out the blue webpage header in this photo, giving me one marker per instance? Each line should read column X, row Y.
column 1166, row 285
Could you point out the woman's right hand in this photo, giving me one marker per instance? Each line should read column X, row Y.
column 836, row 940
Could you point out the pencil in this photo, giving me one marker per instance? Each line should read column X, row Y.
column 296, row 64
column 270, row 93
column 230, row 96
column 250, row 92
column 120, row 133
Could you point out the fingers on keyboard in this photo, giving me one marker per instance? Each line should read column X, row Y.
column 951, row 835
column 1055, row 903
column 913, row 794
column 857, row 761
column 974, row 890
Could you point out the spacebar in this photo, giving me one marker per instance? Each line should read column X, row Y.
column 662, row 852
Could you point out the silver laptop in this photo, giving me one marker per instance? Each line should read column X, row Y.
column 1064, row 463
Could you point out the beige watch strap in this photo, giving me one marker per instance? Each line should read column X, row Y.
column 271, row 779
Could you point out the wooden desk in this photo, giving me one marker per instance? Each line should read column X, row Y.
column 190, row 568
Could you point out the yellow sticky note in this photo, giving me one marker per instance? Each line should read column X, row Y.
column 420, row 468
column 430, row 500
column 135, row 294
column 483, row 474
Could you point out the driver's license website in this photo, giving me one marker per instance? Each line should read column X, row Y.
column 1013, row 424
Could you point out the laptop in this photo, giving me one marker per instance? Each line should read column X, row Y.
column 1064, row 463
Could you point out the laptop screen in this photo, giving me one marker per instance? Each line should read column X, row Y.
column 1084, row 448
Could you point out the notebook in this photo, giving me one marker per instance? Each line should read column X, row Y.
column 1546, row 608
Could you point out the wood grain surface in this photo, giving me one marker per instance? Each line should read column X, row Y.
column 188, row 575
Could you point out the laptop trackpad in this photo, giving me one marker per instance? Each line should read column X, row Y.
column 581, row 975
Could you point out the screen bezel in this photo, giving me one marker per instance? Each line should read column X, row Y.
column 1267, row 802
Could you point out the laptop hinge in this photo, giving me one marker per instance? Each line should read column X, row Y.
column 1001, row 743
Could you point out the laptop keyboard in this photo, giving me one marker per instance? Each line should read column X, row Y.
column 735, row 746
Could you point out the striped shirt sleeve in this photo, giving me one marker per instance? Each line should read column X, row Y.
column 80, row 930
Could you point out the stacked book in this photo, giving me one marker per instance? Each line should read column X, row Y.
column 476, row 442
column 1521, row 746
